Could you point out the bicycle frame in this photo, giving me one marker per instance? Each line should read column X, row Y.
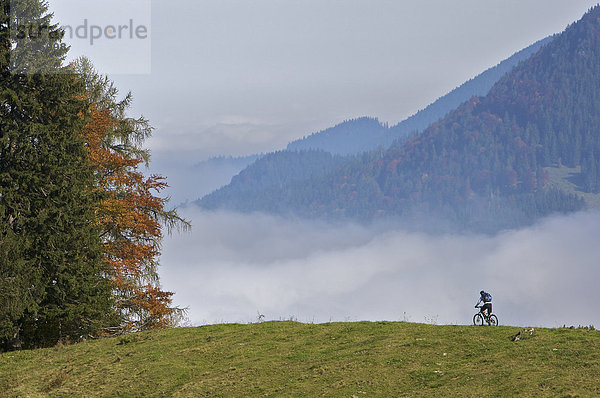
column 486, row 316
column 489, row 318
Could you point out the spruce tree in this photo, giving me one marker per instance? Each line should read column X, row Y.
column 46, row 187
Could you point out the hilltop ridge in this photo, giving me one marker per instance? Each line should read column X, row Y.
column 292, row 359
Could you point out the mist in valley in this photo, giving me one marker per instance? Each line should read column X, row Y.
column 244, row 268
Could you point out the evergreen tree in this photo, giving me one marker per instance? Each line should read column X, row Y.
column 46, row 186
column 18, row 286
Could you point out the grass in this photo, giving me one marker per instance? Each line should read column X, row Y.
column 288, row 359
column 569, row 180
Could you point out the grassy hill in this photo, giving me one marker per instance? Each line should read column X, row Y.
column 335, row 360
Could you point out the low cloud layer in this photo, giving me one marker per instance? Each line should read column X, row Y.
column 233, row 267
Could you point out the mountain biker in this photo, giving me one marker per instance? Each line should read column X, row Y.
column 486, row 298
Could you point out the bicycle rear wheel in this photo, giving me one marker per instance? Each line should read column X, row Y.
column 493, row 320
column 478, row 319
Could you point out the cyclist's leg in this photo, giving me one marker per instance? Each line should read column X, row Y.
column 487, row 309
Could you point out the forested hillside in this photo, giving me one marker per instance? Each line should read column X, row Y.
column 482, row 166
column 211, row 174
column 477, row 87
column 347, row 138
column 363, row 134
column 270, row 177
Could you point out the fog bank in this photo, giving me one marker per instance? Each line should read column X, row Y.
column 233, row 267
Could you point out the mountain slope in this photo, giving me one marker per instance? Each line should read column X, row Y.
column 482, row 166
column 264, row 180
column 381, row 359
column 213, row 173
column 364, row 134
column 347, row 138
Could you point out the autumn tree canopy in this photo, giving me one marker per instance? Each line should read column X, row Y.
column 131, row 214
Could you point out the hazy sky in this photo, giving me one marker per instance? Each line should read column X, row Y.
column 240, row 76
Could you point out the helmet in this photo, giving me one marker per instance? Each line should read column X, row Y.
column 481, row 292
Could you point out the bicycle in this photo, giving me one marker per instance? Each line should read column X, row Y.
column 480, row 318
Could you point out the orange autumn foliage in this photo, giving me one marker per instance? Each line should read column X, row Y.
column 129, row 215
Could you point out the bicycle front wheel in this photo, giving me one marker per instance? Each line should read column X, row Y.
column 493, row 320
column 478, row 319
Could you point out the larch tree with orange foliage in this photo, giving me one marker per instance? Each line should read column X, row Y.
column 130, row 215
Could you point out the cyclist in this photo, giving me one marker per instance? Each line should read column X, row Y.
column 486, row 298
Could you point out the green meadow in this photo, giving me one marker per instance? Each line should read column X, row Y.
column 289, row 359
